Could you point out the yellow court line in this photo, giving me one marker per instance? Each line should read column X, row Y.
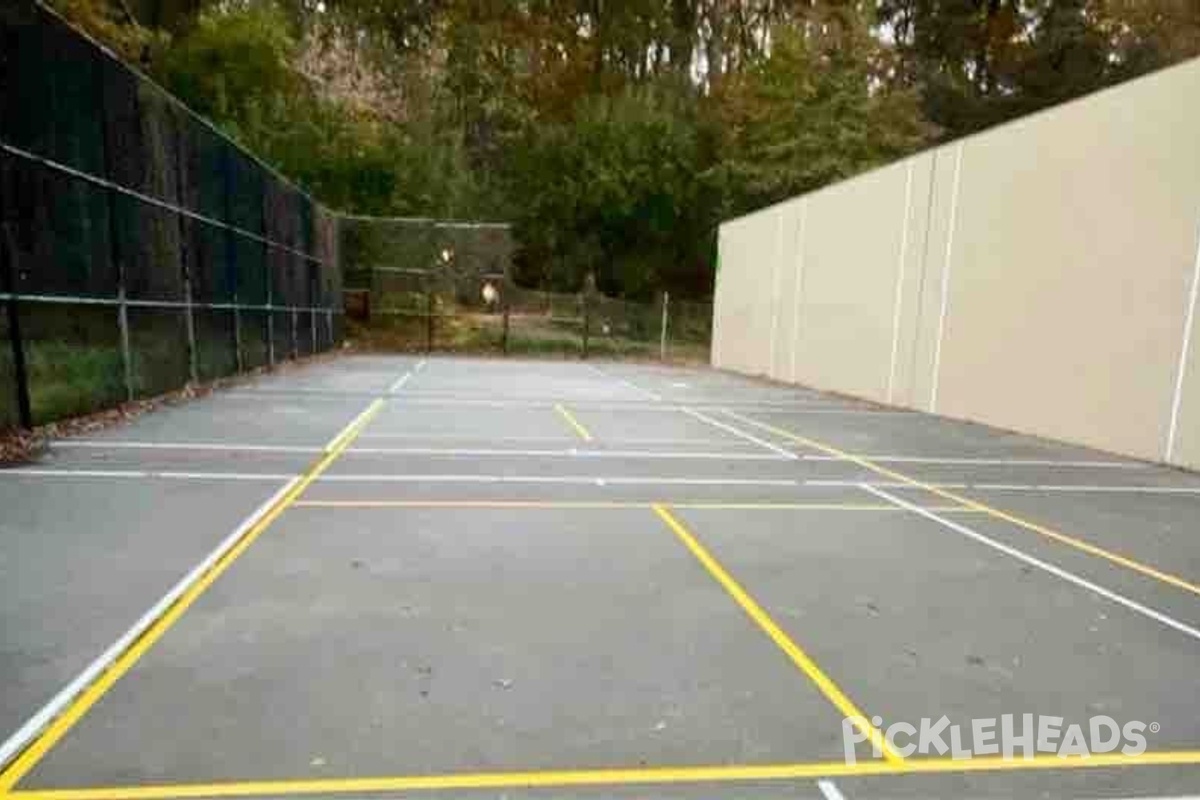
column 618, row 504
column 612, row 777
column 54, row 732
column 975, row 505
column 573, row 422
column 784, row 642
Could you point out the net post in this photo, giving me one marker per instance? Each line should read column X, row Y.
column 662, row 339
column 8, row 280
column 295, row 334
column 312, row 324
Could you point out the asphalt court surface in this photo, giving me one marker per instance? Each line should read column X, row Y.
column 391, row 576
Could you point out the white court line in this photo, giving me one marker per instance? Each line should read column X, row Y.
column 568, row 453
column 899, row 298
column 563, row 439
column 1184, row 349
column 749, row 437
column 420, row 365
column 1017, row 487
column 582, row 480
column 1014, row 462
column 115, row 444
column 399, row 383
column 937, row 352
column 1045, row 566
column 627, row 384
column 137, row 473
column 21, row 738
column 829, row 790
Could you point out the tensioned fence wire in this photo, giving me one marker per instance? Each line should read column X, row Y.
column 139, row 248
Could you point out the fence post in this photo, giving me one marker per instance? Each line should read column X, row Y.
column 428, row 315
column 270, row 330
column 238, row 361
column 190, row 324
column 186, row 267
column 586, row 323
column 662, row 338
column 504, row 335
column 8, row 280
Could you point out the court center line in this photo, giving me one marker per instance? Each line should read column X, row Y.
column 954, row 497
column 799, row 658
column 613, row 777
column 583, row 432
column 49, row 735
column 749, row 437
column 1045, row 566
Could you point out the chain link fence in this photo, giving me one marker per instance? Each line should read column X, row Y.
column 438, row 286
column 140, row 249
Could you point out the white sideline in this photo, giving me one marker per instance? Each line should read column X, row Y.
column 138, row 473
column 583, row 480
column 21, row 738
column 829, row 790
column 1014, row 462
column 121, row 444
column 1017, row 487
column 568, row 453
column 1045, row 566
column 749, row 437
column 399, row 383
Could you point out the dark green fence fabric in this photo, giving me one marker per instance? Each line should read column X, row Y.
column 139, row 248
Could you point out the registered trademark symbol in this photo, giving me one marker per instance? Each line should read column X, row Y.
column 1155, row 727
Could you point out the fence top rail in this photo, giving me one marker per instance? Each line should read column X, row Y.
column 433, row 221
column 65, row 299
column 57, row 166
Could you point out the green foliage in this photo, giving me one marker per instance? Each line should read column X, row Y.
column 617, row 135
column 611, row 192
column 809, row 114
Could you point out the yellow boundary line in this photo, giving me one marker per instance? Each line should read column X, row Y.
column 613, row 777
column 54, row 732
column 975, row 505
column 618, row 504
column 575, row 424
column 784, row 642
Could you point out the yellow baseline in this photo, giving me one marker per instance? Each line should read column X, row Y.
column 612, row 777
column 945, row 494
column 575, row 424
column 29, row 758
column 784, row 642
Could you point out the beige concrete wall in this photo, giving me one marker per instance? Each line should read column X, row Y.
column 1037, row 277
